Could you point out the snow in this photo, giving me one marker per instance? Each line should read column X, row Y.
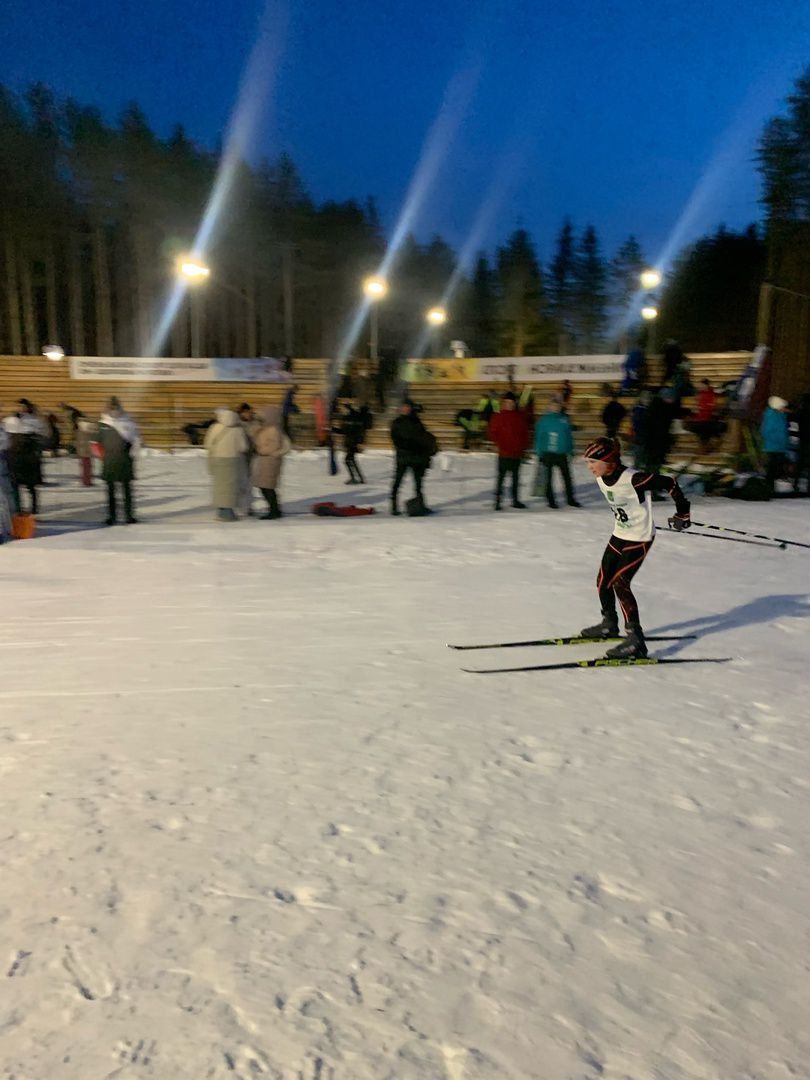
column 256, row 821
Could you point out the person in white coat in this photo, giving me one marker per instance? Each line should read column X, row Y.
column 227, row 445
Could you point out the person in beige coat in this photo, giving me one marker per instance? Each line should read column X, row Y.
column 227, row 446
column 270, row 445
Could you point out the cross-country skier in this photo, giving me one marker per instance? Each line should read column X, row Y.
column 629, row 494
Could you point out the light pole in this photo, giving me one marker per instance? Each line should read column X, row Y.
column 195, row 272
column 436, row 317
column 375, row 289
column 650, row 313
column 650, row 279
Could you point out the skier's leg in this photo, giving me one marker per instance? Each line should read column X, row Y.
column 631, row 559
column 611, row 561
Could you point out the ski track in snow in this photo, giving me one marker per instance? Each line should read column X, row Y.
column 256, row 823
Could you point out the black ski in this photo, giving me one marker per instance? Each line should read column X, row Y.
column 575, row 640
column 605, row 661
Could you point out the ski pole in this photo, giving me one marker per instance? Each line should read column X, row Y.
column 729, row 539
column 757, row 536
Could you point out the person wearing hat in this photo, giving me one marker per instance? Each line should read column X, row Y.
column 629, row 495
column 414, row 446
column 509, row 431
column 775, row 440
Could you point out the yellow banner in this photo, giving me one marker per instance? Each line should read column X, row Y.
column 463, row 370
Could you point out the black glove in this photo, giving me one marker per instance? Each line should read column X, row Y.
column 680, row 522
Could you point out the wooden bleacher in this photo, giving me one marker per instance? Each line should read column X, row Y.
column 162, row 409
column 442, row 400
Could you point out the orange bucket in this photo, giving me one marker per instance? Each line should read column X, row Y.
column 23, row 526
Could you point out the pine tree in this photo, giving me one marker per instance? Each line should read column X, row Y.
column 561, row 285
column 522, row 322
column 710, row 299
column 482, row 318
column 590, row 292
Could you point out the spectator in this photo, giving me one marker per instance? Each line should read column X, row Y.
column 658, row 432
column 353, row 424
column 319, row 414
column 634, row 366
column 118, row 435
column 414, row 446
column 509, row 431
column 86, row 433
column 672, row 356
column 802, row 418
column 227, row 444
column 775, row 440
column 73, row 416
column 612, row 415
column 53, row 438
column 682, row 381
column 196, row 431
column 250, row 423
column 27, row 434
column 565, row 393
column 526, row 406
column 703, row 421
column 638, row 423
column 270, row 445
column 287, row 364
column 6, row 493
column 288, row 409
column 553, row 444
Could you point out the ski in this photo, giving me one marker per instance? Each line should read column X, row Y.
column 575, row 640
column 605, row 661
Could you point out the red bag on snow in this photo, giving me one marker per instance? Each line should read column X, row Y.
column 330, row 509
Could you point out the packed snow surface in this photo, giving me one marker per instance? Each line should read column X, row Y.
column 256, row 822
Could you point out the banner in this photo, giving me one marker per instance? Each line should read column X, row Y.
column 264, row 369
column 540, row 369
column 523, row 369
column 464, row 370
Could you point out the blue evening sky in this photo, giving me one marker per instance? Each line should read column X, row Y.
column 612, row 112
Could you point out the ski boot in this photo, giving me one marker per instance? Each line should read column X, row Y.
column 632, row 647
column 607, row 628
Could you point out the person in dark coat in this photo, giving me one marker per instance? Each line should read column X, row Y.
column 612, row 415
column 27, row 433
column 673, row 358
column 289, row 408
column 118, row 435
column 509, row 431
column 414, row 446
column 657, row 432
column 353, row 423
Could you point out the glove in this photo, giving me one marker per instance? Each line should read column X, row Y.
column 680, row 522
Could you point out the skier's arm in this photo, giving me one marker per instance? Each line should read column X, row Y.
column 644, row 482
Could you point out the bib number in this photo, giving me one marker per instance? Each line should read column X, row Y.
column 620, row 515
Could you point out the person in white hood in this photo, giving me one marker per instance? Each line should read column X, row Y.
column 119, row 438
column 227, row 445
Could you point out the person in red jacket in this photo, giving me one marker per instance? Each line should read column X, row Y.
column 509, row 431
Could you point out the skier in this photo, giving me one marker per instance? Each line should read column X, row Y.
column 629, row 494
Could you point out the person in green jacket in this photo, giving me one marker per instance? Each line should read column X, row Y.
column 554, row 444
